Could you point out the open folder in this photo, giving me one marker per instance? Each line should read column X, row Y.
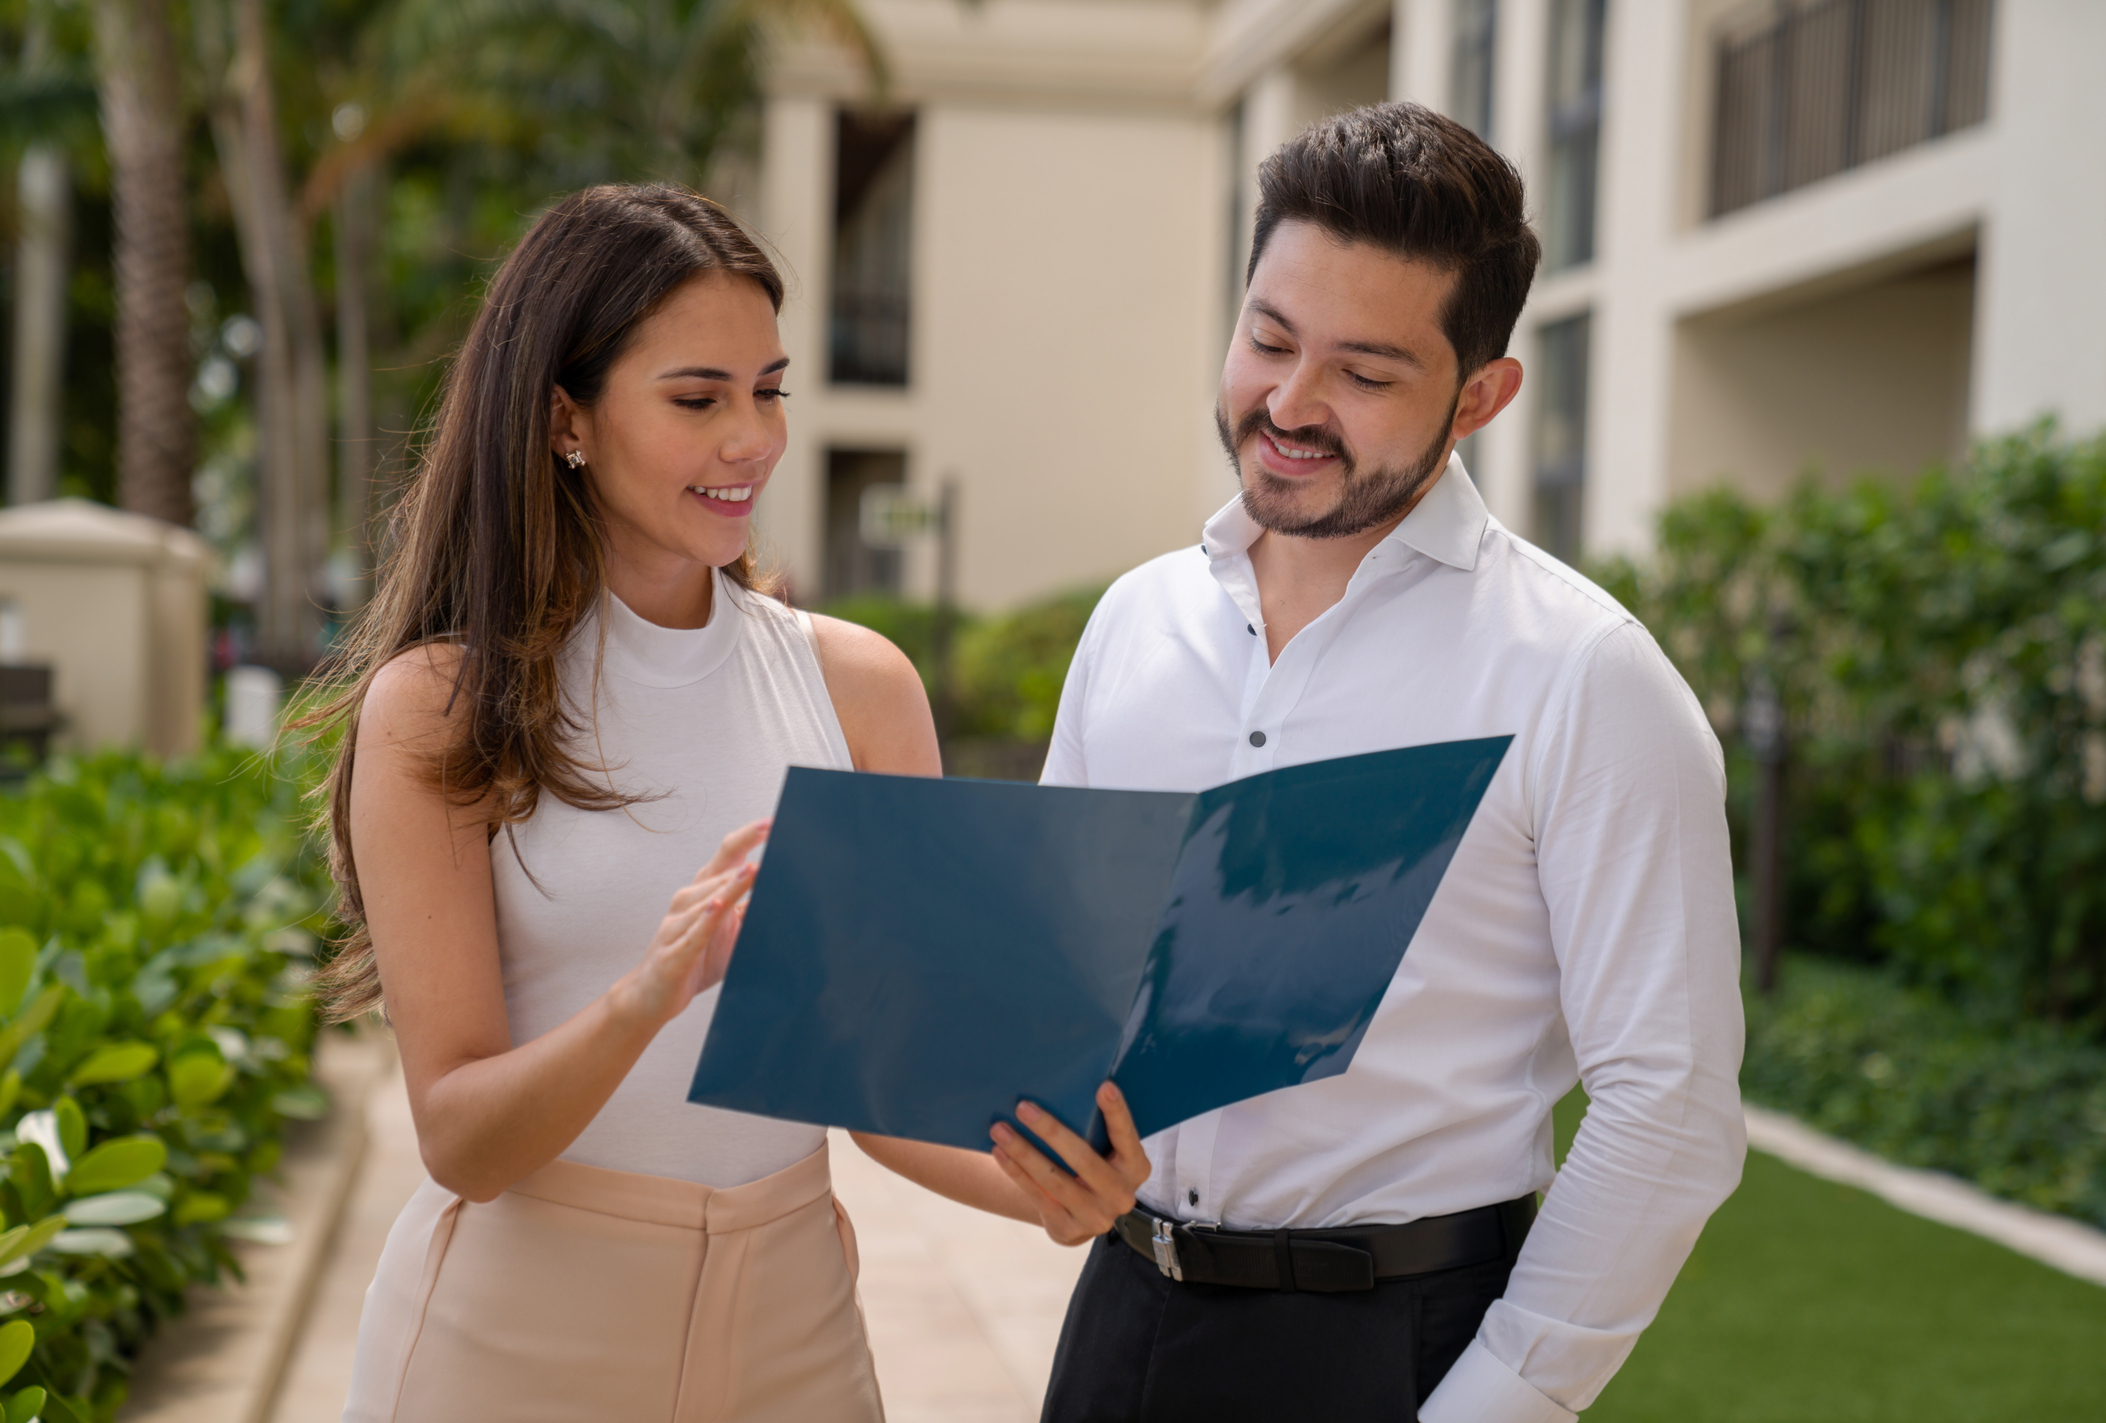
column 920, row 954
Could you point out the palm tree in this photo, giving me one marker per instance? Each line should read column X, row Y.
column 142, row 119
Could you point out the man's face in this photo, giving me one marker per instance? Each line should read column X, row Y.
column 1340, row 393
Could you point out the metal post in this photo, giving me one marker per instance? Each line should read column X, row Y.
column 945, row 706
column 1763, row 723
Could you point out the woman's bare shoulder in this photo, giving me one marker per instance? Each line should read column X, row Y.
column 414, row 696
column 879, row 698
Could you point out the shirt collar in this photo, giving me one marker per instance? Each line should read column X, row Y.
column 1447, row 524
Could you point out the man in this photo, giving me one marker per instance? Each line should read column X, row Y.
column 1356, row 596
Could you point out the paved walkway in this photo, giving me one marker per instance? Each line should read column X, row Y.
column 963, row 1308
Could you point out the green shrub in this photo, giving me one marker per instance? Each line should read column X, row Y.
column 1006, row 670
column 1940, row 651
column 1010, row 668
column 2020, row 1111
column 156, row 922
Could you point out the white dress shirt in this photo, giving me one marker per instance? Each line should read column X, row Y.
column 1585, row 928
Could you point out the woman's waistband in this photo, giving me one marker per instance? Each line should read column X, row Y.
column 662, row 1200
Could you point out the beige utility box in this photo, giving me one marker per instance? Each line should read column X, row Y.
column 116, row 605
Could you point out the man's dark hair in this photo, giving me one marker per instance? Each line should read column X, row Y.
column 1405, row 179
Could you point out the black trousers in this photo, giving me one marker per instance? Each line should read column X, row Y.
column 1138, row 1347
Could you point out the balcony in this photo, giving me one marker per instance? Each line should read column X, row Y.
column 1806, row 91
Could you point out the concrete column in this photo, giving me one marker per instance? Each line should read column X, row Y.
column 1632, row 360
column 44, row 198
column 2040, row 316
column 1421, row 36
column 796, row 215
column 1504, row 470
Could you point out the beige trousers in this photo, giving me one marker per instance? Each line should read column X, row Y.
column 602, row 1295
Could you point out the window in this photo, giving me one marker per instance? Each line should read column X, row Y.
column 1561, row 435
column 1808, row 91
column 853, row 566
column 873, row 232
column 1575, row 132
column 1470, row 67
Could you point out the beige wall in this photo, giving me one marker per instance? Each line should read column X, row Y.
column 1062, row 350
column 1867, row 379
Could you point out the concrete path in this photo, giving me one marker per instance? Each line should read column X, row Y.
column 963, row 1308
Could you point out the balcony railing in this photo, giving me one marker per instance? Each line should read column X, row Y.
column 1809, row 90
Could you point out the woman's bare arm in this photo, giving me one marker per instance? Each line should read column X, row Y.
column 489, row 1113
column 885, row 716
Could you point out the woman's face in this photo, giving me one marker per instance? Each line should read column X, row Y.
column 688, row 426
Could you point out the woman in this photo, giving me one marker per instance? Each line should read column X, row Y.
column 572, row 686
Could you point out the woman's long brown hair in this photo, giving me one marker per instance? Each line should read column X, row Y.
column 496, row 546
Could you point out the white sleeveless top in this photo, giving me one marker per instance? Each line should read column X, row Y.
column 707, row 721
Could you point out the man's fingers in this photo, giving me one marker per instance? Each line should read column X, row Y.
column 1074, row 1195
column 1103, row 1178
column 1125, row 1139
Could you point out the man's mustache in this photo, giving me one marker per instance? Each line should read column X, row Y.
column 1309, row 437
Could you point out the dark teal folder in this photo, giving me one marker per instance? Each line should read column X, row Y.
column 920, row 954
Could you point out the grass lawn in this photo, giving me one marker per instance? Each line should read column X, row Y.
column 1810, row 1302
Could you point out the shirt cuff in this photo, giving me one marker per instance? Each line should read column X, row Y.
column 1480, row 1389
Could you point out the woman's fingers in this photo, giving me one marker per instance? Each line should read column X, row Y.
column 735, row 848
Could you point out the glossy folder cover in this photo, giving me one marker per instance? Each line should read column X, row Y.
column 920, row 954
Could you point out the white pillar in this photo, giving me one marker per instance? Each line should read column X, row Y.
column 796, row 214
column 2040, row 303
column 44, row 198
column 1421, row 37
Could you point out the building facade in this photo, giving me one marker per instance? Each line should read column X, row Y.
column 1781, row 237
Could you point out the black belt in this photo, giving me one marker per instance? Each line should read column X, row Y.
column 1352, row 1258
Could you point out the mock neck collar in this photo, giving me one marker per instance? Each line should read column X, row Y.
column 1446, row 525
column 639, row 650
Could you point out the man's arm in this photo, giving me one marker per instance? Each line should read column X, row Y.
column 1628, row 793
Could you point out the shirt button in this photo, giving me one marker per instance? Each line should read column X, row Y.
column 1192, row 1196
column 1257, row 738
column 1249, row 629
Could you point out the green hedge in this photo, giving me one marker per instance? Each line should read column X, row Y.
column 1006, row 670
column 1940, row 649
column 156, row 923
column 2021, row 1110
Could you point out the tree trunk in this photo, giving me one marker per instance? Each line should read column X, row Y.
column 356, row 220
column 44, row 198
column 291, row 389
column 142, row 122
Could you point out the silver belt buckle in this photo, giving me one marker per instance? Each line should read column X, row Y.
column 1166, row 1249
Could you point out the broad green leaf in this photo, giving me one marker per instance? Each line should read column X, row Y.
column 117, row 1164
column 25, row 1405
column 96, row 1240
column 18, row 959
column 114, row 1208
column 201, row 1206
column 306, row 1103
column 72, row 1128
column 17, row 1338
column 261, row 1229
column 197, row 1078
column 34, row 1019
column 115, row 1062
column 10, row 1088
column 26, row 1240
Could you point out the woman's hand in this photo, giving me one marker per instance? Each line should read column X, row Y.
column 1075, row 1209
column 692, row 948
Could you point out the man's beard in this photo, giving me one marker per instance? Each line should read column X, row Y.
column 1380, row 497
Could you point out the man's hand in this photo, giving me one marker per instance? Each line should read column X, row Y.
column 1078, row 1208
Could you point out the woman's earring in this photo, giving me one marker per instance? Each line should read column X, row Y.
column 575, row 459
